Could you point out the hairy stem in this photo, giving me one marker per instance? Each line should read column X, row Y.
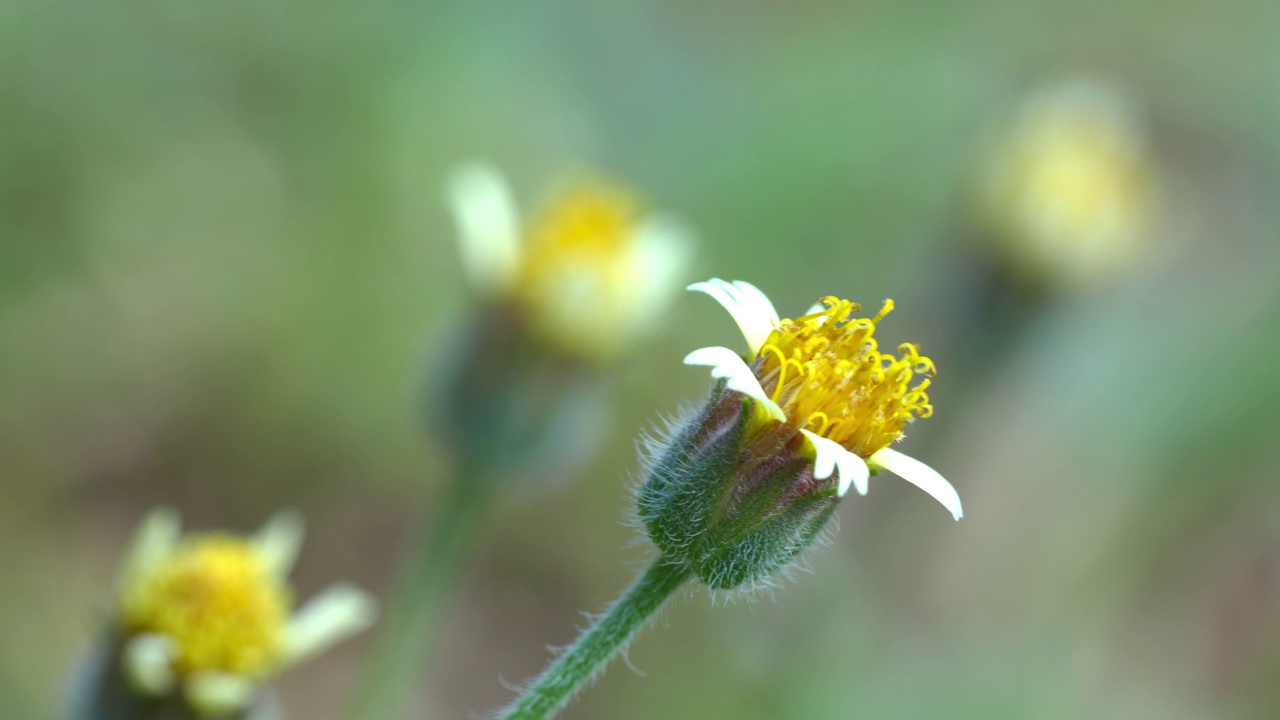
column 608, row 636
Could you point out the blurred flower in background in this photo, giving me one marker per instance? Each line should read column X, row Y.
column 1066, row 196
column 588, row 271
column 204, row 621
column 561, row 295
column 1061, row 205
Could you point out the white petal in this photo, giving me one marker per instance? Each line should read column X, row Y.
column 280, row 540
column 856, row 468
column 215, row 694
column 148, row 663
column 831, row 456
column 488, row 225
column 755, row 319
column 758, row 301
column 920, row 475
column 725, row 363
column 155, row 538
column 329, row 618
column 660, row 252
column 815, row 308
column 824, row 461
column 755, row 305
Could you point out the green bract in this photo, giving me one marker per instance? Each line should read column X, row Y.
column 736, row 506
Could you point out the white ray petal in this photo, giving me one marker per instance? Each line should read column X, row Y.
column 660, row 253
column 831, row 456
column 920, row 475
column 329, row 618
column 824, row 460
column 725, row 363
column 148, row 663
column 214, row 694
column 754, row 304
column 758, row 300
column 488, row 225
column 752, row 319
column 280, row 540
column 853, row 470
column 155, row 538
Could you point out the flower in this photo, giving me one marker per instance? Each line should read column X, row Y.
column 208, row 616
column 588, row 272
column 828, row 382
column 1066, row 196
column 809, row 412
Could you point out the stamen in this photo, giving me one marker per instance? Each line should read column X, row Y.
column 783, row 362
column 888, row 308
column 843, row 388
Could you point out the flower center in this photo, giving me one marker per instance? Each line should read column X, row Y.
column 827, row 374
column 577, row 274
column 219, row 603
column 590, row 219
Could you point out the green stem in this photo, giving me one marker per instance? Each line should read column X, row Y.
column 608, row 636
column 409, row 630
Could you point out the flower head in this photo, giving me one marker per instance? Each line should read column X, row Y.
column 807, row 413
column 210, row 615
column 823, row 376
column 589, row 270
column 1066, row 197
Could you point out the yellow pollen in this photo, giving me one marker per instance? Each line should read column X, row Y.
column 829, row 377
column 219, row 603
column 577, row 274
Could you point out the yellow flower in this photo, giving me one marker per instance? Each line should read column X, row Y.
column 1067, row 197
column 823, row 376
column 209, row 615
column 589, row 271
column 218, row 602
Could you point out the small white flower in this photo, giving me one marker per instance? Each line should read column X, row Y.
column 821, row 375
column 588, row 271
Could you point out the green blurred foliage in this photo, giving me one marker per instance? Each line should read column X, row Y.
column 225, row 265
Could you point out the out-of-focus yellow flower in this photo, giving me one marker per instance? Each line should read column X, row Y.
column 822, row 376
column 208, row 616
column 1066, row 197
column 589, row 270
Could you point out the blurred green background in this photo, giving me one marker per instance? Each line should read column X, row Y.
column 225, row 264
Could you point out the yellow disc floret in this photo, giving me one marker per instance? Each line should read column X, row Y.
column 219, row 603
column 827, row 374
column 577, row 274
